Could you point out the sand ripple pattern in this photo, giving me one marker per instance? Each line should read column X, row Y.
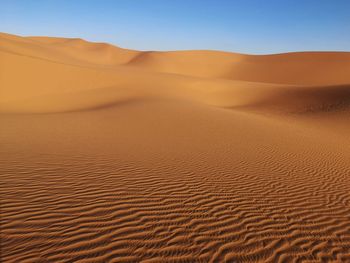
column 205, row 207
column 115, row 155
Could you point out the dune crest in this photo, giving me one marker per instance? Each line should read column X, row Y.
column 116, row 155
column 218, row 78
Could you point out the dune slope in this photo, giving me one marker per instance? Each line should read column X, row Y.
column 115, row 155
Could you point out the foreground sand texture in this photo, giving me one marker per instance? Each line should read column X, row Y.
column 114, row 155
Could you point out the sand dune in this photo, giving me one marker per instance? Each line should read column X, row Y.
column 115, row 155
column 305, row 68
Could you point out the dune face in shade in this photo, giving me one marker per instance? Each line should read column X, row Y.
column 116, row 155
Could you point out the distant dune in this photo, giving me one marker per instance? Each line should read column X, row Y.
column 116, row 155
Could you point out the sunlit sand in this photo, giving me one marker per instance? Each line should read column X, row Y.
column 109, row 154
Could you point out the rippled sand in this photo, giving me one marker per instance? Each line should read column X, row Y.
column 114, row 155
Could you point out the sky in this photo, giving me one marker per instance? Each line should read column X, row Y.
column 245, row 26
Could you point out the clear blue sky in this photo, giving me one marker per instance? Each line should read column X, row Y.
column 247, row 26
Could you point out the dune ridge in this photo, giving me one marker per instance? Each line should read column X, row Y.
column 116, row 155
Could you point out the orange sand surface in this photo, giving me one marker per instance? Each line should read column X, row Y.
column 116, row 155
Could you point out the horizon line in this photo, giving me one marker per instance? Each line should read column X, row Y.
column 176, row 50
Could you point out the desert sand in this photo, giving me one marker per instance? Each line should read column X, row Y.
column 116, row 155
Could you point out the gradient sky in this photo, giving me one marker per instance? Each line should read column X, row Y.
column 246, row 26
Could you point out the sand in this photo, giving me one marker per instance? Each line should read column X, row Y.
column 115, row 155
